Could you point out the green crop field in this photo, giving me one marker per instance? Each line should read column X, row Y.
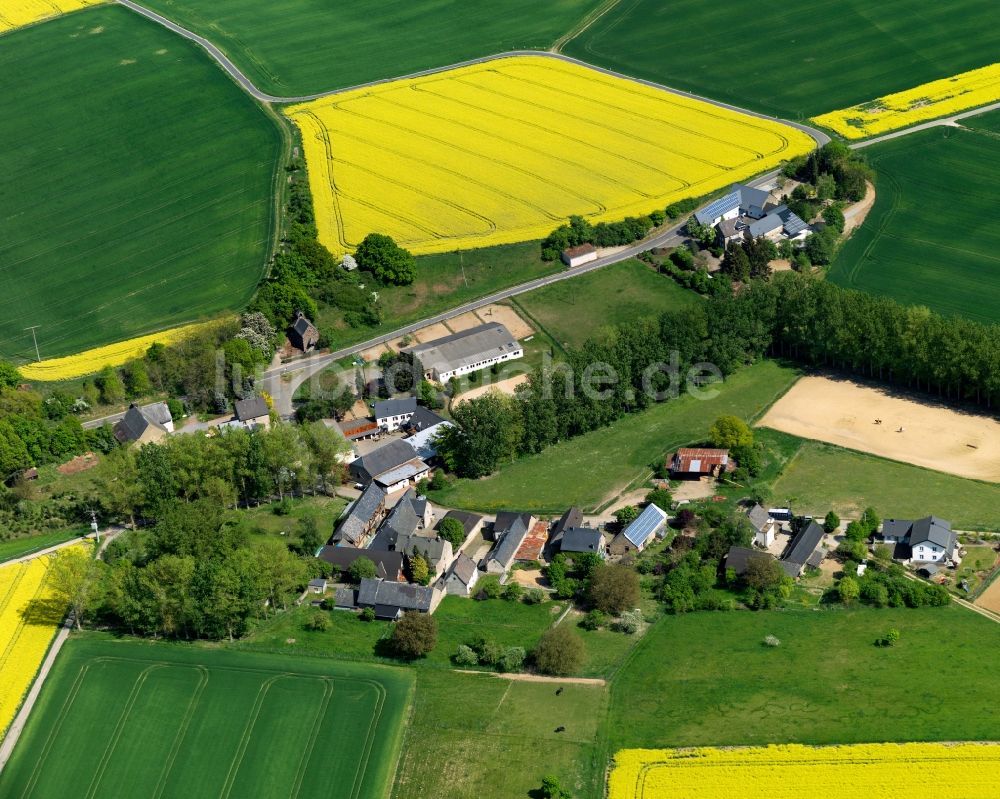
column 573, row 310
column 476, row 735
column 932, row 237
column 138, row 183
column 298, row 47
column 820, row 477
column 793, row 60
column 142, row 719
column 591, row 469
column 708, row 679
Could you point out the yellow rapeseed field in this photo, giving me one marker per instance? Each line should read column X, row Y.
column 506, row 150
column 792, row 771
column 15, row 13
column 90, row 361
column 928, row 101
column 24, row 638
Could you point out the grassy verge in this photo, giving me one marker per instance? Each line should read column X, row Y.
column 19, row 547
column 583, row 470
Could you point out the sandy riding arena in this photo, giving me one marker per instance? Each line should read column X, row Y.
column 873, row 420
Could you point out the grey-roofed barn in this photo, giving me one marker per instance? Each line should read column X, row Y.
column 251, row 408
column 382, row 460
column 804, row 545
column 759, row 517
column 362, row 517
column 388, row 565
column 466, row 351
column 462, row 576
column 391, row 600
column 423, row 419
column 582, row 539
column 500, row 558
column 506, row 519
column 573, row 517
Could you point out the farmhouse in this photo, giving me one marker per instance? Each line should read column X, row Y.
column 362, row 517
column 765, row 527
column 466, row 351
column 638, row 535
column 388, row 565
column 779, row 223
column 252, row 413
column 741, row 201
column 573, row 517
column 392, row 414
column 927, row 540
column 145, row 425
column 579, row 255
column 462, row 577
column 394, row 466
column 804, row 550
column 391, row 600
column 693, row 462
column 582, row 539
column 303, row 334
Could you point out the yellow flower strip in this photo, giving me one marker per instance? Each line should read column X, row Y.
column 24, row 637
column 90, row 361
column 792, row 771
column 15, row 13
column 505, row 151
column 925, row 102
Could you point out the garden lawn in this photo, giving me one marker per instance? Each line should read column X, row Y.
column 169, row 720
column 573, row 310
column 708, row 679
column 823, row 477
column 444, row 282
column 794, row 61
column 591, row 469
column 932, row 237
column 298, row 47
column 323, row 510
column 477, row 735
column 138, row 184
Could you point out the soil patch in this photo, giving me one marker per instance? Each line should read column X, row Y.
column 503, row 386
column 79, row 464
column 845, row 413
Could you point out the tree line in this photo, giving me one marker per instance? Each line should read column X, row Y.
column 793, row 315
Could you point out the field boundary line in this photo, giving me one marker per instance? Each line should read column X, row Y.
column 581, row 27
column 300, row 773
column 244, row 742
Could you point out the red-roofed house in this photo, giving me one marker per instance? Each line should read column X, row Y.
column 534, row 542
column 691, row 461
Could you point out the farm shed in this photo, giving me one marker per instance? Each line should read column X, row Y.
column 579, row 255
column 466, row 351
column 637, row 536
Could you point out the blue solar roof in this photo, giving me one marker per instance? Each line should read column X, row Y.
column 645, row 525
column 714, row 210
column 794, row 225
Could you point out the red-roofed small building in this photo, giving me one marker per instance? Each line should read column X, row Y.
column 699, row 462
column 534, row 542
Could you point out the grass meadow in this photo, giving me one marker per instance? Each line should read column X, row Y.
column 573, row 310
column 708, row 679
column 298, row 47
column 790, row 60
column 138, row 184
column 819, row 477
column 129, row 718
column 932, row 237
column 591, row 469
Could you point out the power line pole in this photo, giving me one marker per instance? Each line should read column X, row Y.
column 34, row 338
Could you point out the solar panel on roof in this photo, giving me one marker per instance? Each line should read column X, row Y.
column 794, row 225
column 645, row 525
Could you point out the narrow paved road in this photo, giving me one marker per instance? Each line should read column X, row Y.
column 934, row 123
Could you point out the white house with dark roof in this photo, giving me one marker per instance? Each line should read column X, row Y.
column 392, row 414
column 466, row 351
column 926, row 540
column 742, row 200
column 462, row 576
column 765, row 527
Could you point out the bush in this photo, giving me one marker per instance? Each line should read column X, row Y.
column 362, row 568
column 414, row 635
column 831, row 522
column 367, row 614
column 512, row 591
column 386, row 260
column 629, row 622
column 891, row 637
column 560, row 652
column 465, row 656
column 512, row 659
column 282, row 508
column 614, row 589
column 319, row 622
column 489, row 588
column 771, row 640
column 533, row 596
column 451, row 529
column 594, row 620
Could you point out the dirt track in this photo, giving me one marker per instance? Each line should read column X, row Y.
column 842, row 412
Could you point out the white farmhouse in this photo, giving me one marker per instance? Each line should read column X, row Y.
column 927, row 540
column 392, row 414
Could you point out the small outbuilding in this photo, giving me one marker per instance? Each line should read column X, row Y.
column 303, row 334
column 579, row 255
